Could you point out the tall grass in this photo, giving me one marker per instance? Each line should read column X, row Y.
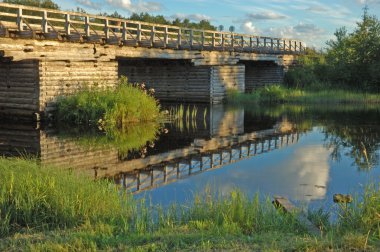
column 35, row 198
column 281, row 94
column 58, row 210
column 114, row 107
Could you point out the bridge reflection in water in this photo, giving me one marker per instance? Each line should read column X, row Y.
column 168, row 172
column 219, row 137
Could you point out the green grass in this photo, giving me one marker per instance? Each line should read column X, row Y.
column 281, row 94
column 108, row 107
column 47, row 209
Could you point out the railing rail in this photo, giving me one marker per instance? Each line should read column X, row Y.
column 32, row 22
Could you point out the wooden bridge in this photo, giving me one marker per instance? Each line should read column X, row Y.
column 20, row 21
column 46, row 53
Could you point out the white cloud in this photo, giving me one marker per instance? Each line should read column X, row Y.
column 137, row 6
column 368, row 1
column 316, row 9
column 89, row 4
column 193, row 17
column 267, row 15
column 249, row 28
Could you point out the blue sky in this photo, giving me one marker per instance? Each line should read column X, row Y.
column 311, row 21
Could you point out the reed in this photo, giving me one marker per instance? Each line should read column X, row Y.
column 279, row 94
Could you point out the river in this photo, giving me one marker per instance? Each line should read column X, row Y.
column 305, row 153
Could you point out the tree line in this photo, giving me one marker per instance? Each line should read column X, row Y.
column 351, row 60
column 144, row 16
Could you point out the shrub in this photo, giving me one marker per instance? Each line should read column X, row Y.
column 125, row 104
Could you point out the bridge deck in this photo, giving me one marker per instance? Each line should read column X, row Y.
column 18, row 21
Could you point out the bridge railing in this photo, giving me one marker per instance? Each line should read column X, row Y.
column 32, row 22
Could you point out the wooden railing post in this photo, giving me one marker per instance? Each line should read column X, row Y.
column 213, row 40
column 124, row 32
column 251, row 42
column 138, row 33
column 44, row 24
column 271, row 44
column 278, row 44
column 106, row 28
column 290, row 45
column 179, row 38
column 87, row 26
column 166, row 37
column 301, row 47
column 202, row 39
column 152, row 35
column 223, row 40
column 67, row 24
column 265, row 43
column 232, row 41
column 295, row 46
column 20, row 23
column 284, row 42
column 191, row 39
column 242, row 42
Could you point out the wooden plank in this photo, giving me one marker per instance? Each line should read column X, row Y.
column 287, row 206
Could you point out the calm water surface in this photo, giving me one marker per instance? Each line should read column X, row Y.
column 304, row 153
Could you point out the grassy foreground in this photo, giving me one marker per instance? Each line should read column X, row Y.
column 49, row 209
column 281, row 94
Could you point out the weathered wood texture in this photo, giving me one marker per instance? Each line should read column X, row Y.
column 19, row 89
column 172, row 80
column 182, row 82
column 21, row 49
column 259, row 74
column 223, row 78
column 62, row 78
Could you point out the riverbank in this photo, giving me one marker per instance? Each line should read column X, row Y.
column 280, row 94
column 47, row 208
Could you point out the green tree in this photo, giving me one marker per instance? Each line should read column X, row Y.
column 354, row 57
column 36, row 3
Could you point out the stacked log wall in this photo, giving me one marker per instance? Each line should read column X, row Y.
column 62, row 78
column 175, row 81
column 19, row 89
column 260, row 74
column 224, row 78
